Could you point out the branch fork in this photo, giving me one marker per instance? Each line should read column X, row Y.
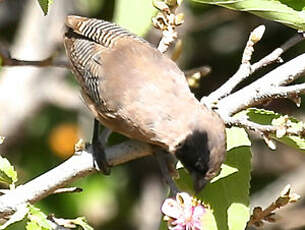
column 260, row 216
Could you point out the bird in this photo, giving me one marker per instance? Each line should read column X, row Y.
column 135, row 90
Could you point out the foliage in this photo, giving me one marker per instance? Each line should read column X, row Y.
column 81, row 221
column 290, row 131
column 36, row 219
column 45, row 4
column 290, row 13
column 8, row 175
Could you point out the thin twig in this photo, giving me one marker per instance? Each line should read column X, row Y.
column 253, row 94
column 202, row 70
column 223, row 91
column 243, row 72
column 283, row 126
column 167, row 21
column 255, row 36
column 67, row 190
column 259, row 215
column 274, row 56
column 194, row 76
column 42, row 63
column 246, row 69
column 279, row 130
column 244, row 123
column 7, row 60
column 264, row 130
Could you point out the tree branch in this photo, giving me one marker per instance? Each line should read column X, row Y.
column 281, row 92
column 257, row 92
column 77, row 166
column 246, row 69
column 274, row 56
column 167, row 21
column 7, row 61
column 260, row 215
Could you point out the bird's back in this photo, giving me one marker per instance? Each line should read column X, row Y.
column 130, row 86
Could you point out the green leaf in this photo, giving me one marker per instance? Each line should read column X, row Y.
column 134, row 15
column 45, row 4
column 226, row 170
column 227, row 197
column 290, row 13
column 81, row 221
column 33, row 226
column 266, row 117
column 38, row 220
column 163, row 225
column 261, row 116
column 237, row 138
column 208, row 220
column 37, row 217
column 8, row 175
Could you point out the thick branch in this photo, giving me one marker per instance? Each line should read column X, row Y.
column 281, row 91
column 257, row 92
column 79, row 165
column 242, row 73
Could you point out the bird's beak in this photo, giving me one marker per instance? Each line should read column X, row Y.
column 199, row 181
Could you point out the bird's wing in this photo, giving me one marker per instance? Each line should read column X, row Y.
column 100, row 31
column 132, row 87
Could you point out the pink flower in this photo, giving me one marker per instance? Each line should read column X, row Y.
column 184, row 213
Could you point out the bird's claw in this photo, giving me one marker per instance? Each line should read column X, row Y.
column 100, row 161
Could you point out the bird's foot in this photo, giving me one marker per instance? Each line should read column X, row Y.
column 165, row 164
column 100, row 161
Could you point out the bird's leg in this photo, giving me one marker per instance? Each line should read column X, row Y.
column 104, row 136
column 164, row 163
column 98, row 150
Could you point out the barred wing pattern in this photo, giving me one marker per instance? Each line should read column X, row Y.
column 102, row 32
column 130, row 86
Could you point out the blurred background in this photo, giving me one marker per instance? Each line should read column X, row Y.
column 42, row 114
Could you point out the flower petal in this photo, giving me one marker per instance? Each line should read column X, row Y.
column 171, row 208
column 184, row 199
column 198, row 211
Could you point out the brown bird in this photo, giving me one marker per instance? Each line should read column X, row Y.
column 135, row 90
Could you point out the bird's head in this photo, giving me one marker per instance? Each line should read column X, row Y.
column 202, row 152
